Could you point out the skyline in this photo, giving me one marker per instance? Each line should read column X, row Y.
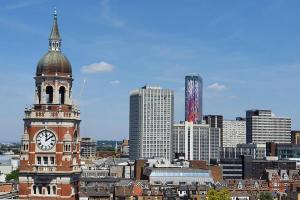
column 114, row 47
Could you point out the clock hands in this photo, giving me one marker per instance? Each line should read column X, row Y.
column 48, row 138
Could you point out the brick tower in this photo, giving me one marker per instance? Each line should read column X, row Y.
column 50, row 151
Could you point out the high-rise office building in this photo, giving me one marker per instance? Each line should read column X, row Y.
column 196, row 141
column 263, row 126
column 215, row 121
column 234, row 132
column 150, row 122
column 193, row 99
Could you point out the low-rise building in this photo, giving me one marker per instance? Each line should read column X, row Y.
column 9, row 190
column 256, row 151
column 107, row 167
column 178, row 176
column 125, row 148
column 246, row 189
column 231, row 168
column 88, row 147
column 283, row 151
column 5, row 169
column 255, row 169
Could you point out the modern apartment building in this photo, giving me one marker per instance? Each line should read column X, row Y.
column 150, row 122
column 196, row 141
column 234, row 132
column 263, row 126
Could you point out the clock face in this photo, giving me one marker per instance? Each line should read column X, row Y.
column 45, row 140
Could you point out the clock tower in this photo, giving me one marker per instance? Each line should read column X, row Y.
column 50, row 151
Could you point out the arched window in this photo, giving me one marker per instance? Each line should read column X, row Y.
column 34, row 189
column 62, row 92
column 39, row 94
column 40, row 189
column 54, row 189
column 49, row 94
column 48, row 189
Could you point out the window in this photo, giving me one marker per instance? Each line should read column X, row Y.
column 34, row 189
column 45, row 159
column 49, row 94
column 48, row 190
column 51, row 160
column 62, row 92
column 39, row 94
column 40, row 189
column 39, row 160
column 67, row 147
column 54, row 189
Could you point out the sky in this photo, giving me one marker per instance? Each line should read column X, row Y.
column 247, row 52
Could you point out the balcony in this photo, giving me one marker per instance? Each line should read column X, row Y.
column 34, row 114
column 42, row 169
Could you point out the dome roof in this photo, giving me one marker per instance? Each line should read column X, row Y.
column 54, row 63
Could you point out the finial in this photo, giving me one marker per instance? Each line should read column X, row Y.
column 55, row 12
column 54, row 40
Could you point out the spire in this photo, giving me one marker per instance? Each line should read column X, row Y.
column 54, row 39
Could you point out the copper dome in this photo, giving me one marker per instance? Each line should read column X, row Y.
column 54, row 63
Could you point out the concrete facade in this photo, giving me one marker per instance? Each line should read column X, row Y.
column 263, row 126
column 234, row 132
column 196, row 141
column 150, row 124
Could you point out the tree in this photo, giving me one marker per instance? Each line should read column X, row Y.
column 14, row 175
column 265, row 196
column 222, row 194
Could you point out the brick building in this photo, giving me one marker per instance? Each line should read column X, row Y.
column 49, row 157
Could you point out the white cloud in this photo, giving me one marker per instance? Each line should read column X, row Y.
column 115, row 82
column 107, row 15
column 217, row 87
column 98, row 68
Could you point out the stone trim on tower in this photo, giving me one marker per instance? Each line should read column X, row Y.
column 50, row 152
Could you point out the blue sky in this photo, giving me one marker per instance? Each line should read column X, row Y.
column 247, row 52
